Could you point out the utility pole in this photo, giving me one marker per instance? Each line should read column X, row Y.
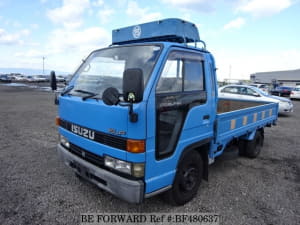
column 43, row 65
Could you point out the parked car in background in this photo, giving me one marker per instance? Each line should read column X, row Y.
column 4, row 78
column 68, row 78
column 282, row 91
column 263, row 87
column 295, row 93
column 60, row 78
column 29, row 78
column 245, row 92
column 13, row 78
column 20, row 78
column 40, row 78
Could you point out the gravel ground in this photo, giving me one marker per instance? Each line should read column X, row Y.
column 37, row 188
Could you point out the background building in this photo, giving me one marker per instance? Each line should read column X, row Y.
column 284, row 78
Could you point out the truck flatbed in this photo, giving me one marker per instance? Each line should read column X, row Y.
column 237, row 118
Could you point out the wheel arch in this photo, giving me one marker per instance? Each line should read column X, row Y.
column 249, row 136
column 201, row 147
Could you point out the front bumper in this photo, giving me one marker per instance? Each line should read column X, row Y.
column 286, row 108
column 295, row 96
column 129, row 190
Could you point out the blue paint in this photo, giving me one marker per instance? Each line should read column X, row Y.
column 201, row 122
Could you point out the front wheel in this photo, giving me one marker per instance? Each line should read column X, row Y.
column 187, row 179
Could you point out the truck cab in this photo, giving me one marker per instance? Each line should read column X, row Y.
column 138, row 117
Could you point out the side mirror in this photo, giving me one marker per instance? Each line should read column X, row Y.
column 256, row 95
column 111, row 96
column 133, row 85
column 53, row 83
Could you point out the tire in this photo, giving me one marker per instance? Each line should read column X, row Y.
column 253, row 147
column 187, row 179
column 242, row 147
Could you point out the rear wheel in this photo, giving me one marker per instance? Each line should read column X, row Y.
column 187, row 179
column 241, row 147
column 252, row 148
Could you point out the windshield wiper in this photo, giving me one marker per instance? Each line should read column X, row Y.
column 89, row 94
column 67, row 90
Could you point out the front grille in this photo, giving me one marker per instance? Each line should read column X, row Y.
column 112, row 141
column 103, row 138
column 95, row 160
column 86, row 155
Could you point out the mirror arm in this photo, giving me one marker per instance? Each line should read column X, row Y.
column 133, row 117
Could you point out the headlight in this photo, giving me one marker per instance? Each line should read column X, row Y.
column 134, row 169
column 109, row 162
column 64, row 141
column 117, row 164
column 138, row 169
column 123, row 166
column 283, row 103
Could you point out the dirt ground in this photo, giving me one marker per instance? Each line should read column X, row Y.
column 37, row 188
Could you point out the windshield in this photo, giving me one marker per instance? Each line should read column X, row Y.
column 260, row 91
column 104, row 68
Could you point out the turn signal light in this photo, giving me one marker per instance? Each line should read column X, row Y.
column 135, row 146
column 57, row 121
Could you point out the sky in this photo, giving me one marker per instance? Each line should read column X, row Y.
column 245, row 36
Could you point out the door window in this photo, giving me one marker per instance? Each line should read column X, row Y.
column 180, row 88
column 171, row 77
column 193, row 79
column 182, row 73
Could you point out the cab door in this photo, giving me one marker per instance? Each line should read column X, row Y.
column 182, row 114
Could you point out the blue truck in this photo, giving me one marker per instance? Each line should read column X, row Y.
column 142, row 117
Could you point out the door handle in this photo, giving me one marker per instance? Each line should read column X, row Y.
column 206, row 117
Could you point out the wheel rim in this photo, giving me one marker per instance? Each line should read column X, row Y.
column 189, row 179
